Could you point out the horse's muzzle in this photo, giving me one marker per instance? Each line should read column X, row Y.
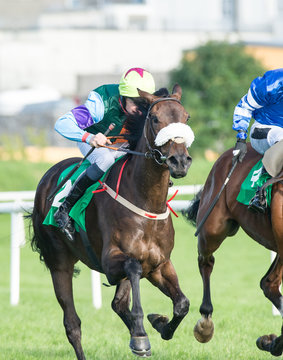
column 179, row 165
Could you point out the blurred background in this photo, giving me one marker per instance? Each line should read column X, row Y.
column 53, row 52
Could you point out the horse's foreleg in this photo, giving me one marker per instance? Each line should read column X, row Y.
column 165, row 278
column 119, row 267
column 62, row 282
column 270, row 285
column 139, row 343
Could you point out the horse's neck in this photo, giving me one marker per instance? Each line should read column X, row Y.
column 147, row 182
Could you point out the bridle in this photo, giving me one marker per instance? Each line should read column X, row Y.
column 154, row 153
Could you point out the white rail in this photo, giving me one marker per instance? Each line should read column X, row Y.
column 16, row 204
column 17, row 207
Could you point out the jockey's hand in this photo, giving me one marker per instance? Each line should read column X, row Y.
column 99, row 140
column 239, row 151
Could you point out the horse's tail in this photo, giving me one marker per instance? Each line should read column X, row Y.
column 190, row 213
column 37, row 239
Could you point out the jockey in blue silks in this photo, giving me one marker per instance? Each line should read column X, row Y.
column 86, row 124
column 263, row 103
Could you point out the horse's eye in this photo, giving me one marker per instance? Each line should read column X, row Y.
column 154, row 119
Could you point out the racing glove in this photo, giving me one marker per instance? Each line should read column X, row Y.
column 239, row 151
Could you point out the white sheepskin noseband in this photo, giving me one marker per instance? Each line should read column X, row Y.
column 177, row 132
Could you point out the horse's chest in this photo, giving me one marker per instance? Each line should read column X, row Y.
column 150, row 251
column 149, row 243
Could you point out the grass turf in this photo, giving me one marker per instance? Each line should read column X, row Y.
column 34, row 329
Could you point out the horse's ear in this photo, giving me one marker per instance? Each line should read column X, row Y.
column 147, row 96
column 177, row 91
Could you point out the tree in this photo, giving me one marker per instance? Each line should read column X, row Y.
column 214, row 77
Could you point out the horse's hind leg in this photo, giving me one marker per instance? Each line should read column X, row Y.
column 207, row 245
column 62, row 282
column 166, row 280
column 121, row 302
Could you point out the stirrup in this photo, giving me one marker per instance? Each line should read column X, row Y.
column 61, row 216
column 64, row 222
column 258, row 202
column 69, row 230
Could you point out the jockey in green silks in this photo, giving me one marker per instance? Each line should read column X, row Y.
column 86, row 124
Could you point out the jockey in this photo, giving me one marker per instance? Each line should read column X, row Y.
column 263, row 102
column 86, row 124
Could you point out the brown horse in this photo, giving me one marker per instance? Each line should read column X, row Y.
column 224, row 220
column 126, row 246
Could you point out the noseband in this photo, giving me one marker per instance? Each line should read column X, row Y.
column 153, row 153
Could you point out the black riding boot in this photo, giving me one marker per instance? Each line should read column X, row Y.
column 61, row 216
column 258, row 202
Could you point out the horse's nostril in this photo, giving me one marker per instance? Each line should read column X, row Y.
column 173, row 160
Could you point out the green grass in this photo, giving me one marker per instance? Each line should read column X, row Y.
column 34, row 328
column 23, row 175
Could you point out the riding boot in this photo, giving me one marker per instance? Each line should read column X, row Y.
column 258, row 203
column 61, row 216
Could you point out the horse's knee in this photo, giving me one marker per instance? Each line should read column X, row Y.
column 133, row 266
column 182, row 307
column 269, row 288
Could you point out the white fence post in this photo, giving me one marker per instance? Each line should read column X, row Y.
column 17, row 239
column 16, row 207
column 96, row 289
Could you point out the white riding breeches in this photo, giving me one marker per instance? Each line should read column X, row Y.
column 102, row 157
column 262, row 137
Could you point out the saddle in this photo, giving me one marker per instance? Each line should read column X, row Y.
column 260, row 180
column 255, row 180
column 77, row 212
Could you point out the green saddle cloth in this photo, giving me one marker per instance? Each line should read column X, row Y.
column 250, row 185
column 78, row 210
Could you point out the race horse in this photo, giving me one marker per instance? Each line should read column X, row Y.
column 129, row 239
column 224, row 220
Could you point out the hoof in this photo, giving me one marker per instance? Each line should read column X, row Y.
column 264, row 342
column 271, row 343
column 159, row 323
column 140, row 346
column 204, row 329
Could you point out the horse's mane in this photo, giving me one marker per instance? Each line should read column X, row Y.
column 134, row 124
